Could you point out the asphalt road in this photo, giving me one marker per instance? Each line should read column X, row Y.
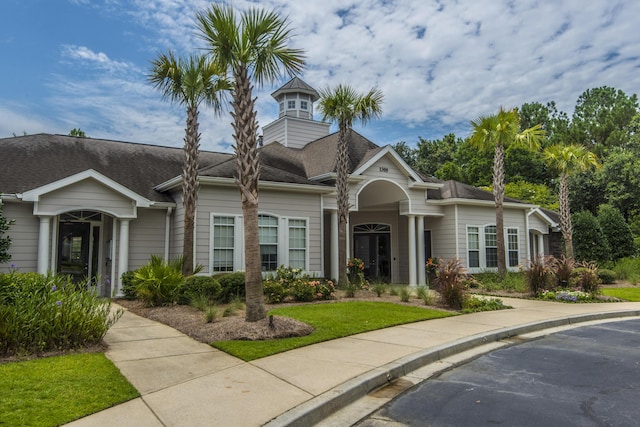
column 588, row 376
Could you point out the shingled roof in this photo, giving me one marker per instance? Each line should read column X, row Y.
column 32, row 161
column 458, row 190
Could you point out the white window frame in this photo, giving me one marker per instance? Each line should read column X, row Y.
column 478, row 250
column 482, row 243
column 289, row 102
column 512, row 231
column 237, row 240
column 289, row 220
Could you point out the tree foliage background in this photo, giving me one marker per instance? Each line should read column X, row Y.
column 5, row 241
column 605, row 120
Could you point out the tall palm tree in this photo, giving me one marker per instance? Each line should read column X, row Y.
column 253, row 46
column 567, row 160
column 344, row 105
column 497, row 132
column 189, row 81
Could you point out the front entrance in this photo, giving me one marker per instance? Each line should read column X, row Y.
column 372, row 244
column 78, row 246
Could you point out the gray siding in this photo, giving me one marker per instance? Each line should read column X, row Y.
column 86, row 194
column 24, row 236
column 226, row 200
column 146, row 236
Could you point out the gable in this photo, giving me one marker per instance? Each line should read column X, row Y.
column 86, row 190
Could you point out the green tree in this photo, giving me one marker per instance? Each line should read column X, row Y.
column 617, row 232
column 77, row 133
column 431, row 155
column 536, row 194
column 620, row 180
column 189, row 81
column 496, row 133
column 407, row 153
column 567, row 160
column 5, row 241
column 601, row 119
column 251, row 46
column 555, row 123
column 590, row 243
column 344, row 106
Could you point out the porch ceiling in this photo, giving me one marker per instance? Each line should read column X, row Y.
column 380, row 196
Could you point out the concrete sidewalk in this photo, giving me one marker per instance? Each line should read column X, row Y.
column 186, row 383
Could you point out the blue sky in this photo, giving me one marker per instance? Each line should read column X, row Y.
column 83, row 63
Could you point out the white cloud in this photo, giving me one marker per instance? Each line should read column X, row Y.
column 439, row 64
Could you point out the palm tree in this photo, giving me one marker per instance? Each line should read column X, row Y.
column 567, row 160
column 497, row 132
column 344, row 105
column 250, row 47
column 189, row 81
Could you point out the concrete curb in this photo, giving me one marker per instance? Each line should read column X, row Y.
column 320, row 407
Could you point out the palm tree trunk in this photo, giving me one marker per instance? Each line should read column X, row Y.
column 248, row 168
column 565, row 216
column 342, row 188
column 498, row 193
column 190, row 187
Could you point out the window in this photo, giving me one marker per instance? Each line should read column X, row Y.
column 291, row 105
column 512, row 247
column 281, row 107
column 491, row 246
column 298, row 243
column 303, row 105
column 223, row 243
column 268, row 226
column 473, row 239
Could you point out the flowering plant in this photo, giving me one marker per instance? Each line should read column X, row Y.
column 355, row 276
column 432, row 265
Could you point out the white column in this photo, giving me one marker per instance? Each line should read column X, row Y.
column 540, row 245
column 422, row 278
column 123, row 256
column 334, row 245
column 411, row 237
column 44, row 237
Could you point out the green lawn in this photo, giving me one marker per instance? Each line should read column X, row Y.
column 56, row 390
column 628, row 294
column 332, row 320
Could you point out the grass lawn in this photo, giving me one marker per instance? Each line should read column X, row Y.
column 56, row 390
column 333, row 320
column 628, row 294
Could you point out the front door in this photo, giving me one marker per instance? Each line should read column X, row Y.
column 73, row 250
column 374, row 249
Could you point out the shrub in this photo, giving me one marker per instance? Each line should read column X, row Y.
column 589, row 241
column 41, row 313
column 425, row 295
column 205, row 286
column 379, row 289
column 607, row 276
column 617, row 232
column 404, row 294
column 588, row 280
column 563, row 270
column 232, row 286
column 539, row 275
column 158, row 282
column 274, row 290
column 475, row 305
column 128, row 289
column 628, row 269
column 210, row 314
column 291, row 282
column 449, row 282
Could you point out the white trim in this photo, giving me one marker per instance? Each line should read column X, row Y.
column 35, row 194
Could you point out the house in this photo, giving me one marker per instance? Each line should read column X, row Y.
column 97, row 208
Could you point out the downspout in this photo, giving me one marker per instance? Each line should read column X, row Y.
column 167, row 231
